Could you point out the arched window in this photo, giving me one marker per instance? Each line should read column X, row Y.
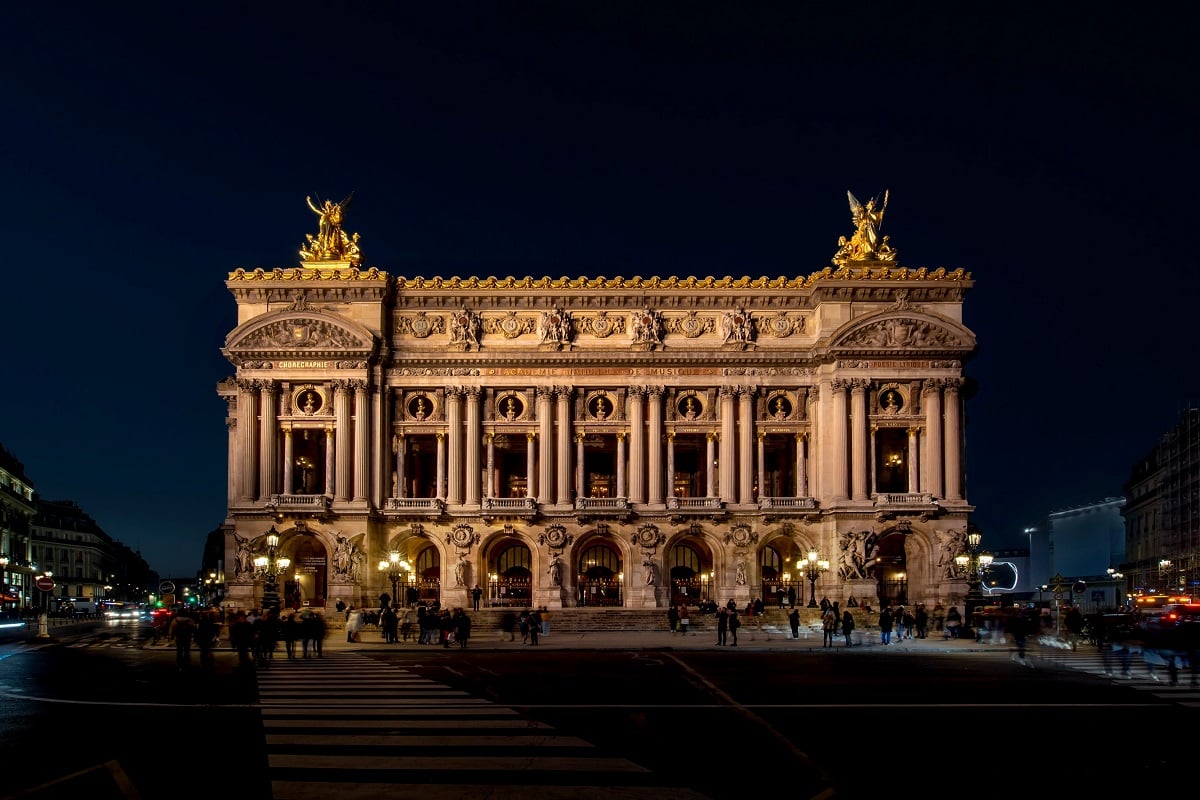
column 514, row 561
column 772, row 564
column 599, row 561
column 685, row 556
column 429, row 564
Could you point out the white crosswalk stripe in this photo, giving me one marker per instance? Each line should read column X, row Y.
column 1089, row 660
column 350, row 726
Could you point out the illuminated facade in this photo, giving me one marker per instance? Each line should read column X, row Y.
column 16, row 510
column 623, row 442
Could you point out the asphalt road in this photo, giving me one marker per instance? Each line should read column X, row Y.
column 93, row 714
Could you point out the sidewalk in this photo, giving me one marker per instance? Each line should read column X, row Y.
column 748, row 639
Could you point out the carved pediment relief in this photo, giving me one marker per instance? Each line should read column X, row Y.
column 305, row 333
column 903, row 330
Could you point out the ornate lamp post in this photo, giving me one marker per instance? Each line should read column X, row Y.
column 1118, row 579
column 269, row 567
column 812, row 568
column 394, row 567
column 974, row 565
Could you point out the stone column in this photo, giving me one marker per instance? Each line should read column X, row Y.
column 401, row 446
column 491, row 489
column 873, row 480
column 579, row 464
column 288, row 458
column 622, row 490
column 268, row 458
column 330, row 459
column 454, row 446
column 530, row 464
column 362, row 442
column 727, row 485
column 247, row 434
column 381, row 472
column 563, row 482
column 441, row 465
column 710, row 476
column 816, row 436
column 654, row 467
column 762, row 464
column 545, row 447
column 637, row 444
column 801, row 465
column 953, row 440
column 671, row 464
column 473, row 476
column 343, row 483
column 932, row 398
column 914, row 461
column 745, row 464
column 858, row 437
column 837, row 439
column 232, row 461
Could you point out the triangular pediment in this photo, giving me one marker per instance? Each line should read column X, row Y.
column 903, row 329
column 308, row 332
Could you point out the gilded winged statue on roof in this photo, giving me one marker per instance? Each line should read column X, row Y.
column 865, row 244
column 331, row 242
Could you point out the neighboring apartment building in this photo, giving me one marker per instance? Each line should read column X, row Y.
column 16, row 510
column 631, row 442
column 1162, row 517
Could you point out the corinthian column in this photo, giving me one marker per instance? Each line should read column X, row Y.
column 654, row 472
column 268, row 460
column 563, row 456
column 837, row 439
column 343, row 485
column 858, row 437
column 247, row 436
column 288, row 457
column 545, row 417
column 726, row 483
column 801, row 464
column 471, row 446
column 637, row 444
column 914, row 461
column 530, row 470
column 932, row 398
column 622, row 490
column 454, row 446
column 953, row 440
column 710, row 477
column 362, row 439
column 746, row 444
column 330, row 458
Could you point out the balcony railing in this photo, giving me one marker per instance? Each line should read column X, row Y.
column 602, row 504
column 415, row 505
column 299, row 502
column 698, row 505
column 903, row 500
column 797, row 503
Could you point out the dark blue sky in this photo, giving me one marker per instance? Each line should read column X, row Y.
column 149, row 149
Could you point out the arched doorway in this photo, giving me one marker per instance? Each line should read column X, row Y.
column 306, row 582
column 690, row 581
column 779, row 585
column 427, row 575
column 891, row 570
column 510, row 582
column 601, row 578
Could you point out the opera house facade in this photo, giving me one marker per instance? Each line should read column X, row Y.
column 628, row 442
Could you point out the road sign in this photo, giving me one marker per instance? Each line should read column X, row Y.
column 166, row 587
column 45, row 583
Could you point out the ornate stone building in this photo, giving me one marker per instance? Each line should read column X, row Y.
column 634, row 442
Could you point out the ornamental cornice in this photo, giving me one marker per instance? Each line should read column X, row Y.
column 883, row 272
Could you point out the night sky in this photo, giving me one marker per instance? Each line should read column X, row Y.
column 150, row 149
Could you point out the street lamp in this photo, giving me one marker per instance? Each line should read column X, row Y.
column 269, row 567
column 812, row 567
column 394, row 568
column 1118, row 579
column 974, row 565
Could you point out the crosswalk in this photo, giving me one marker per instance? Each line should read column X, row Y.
column 1088, row 659
column 349, row 726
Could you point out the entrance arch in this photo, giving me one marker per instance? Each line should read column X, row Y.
column 510, row 579
column 891, row 570
column 601, row 575
column 306, row 583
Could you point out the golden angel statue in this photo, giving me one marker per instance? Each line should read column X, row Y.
column 865, row 243
column 331, row 242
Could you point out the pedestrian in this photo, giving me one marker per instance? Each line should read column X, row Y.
column 523, row 624
column 241, row 636
column 291, row 632
column 462, row 629
column 1074, row 622
column 953, row 623
column 673, row 619
column 791, row 595
column 545, row 613
column 182, row 629
column 829, row 625
column 734, row 624
column 476, row 594
column 535, row 626
column 1018, row 625
column 722, row 625
column 885, row 625
column 847, row 626
column 794, row 621
column 910, row 624
column 684, row 620
column 921, row 621
column 389, row 624
column 508, row 624
column 898, row 621
column 208, row 630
